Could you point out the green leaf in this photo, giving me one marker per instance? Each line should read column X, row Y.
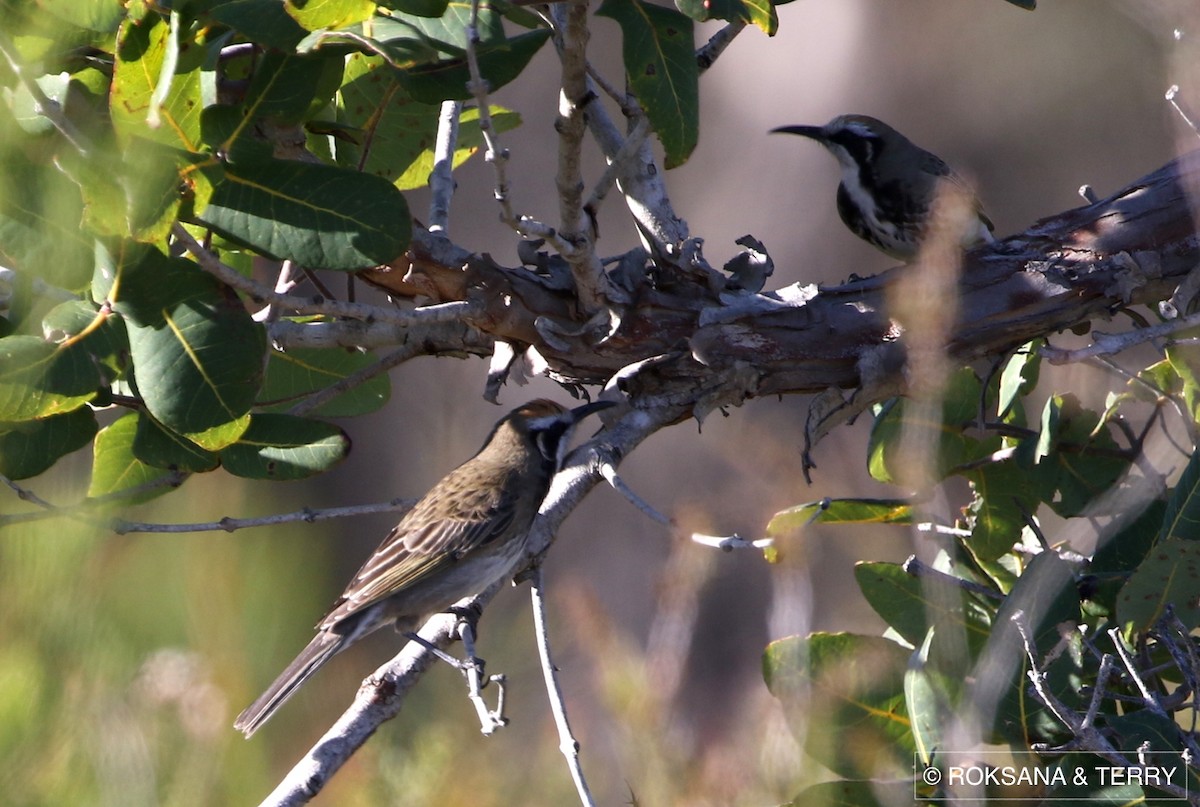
column 1019, row 377
column 1025, row 4
column 1182, row 519
column 1076, row 455
column 160, row 447
column 320, row 216
column 40, row 233
column 26, row 109
column 282, row 447
column 1164, row 743
column 268, row 23
column 314, row 14
column 448, row 31
column 103, row 337
column 148, row 54
column 300, row 372
column 852, row 687
column 421, row 8
column 499, row 63
column 398, row 133
column 925, row 692
column 399, row 42
column 38, row 379
column 1169, row 575
column 914, row 606
column 1003, row 497
column 116, row 469
column 660, row 64
column 1121, row 552
column 286, row 87
column 197, row 354
column 755, row 12
column 27, row 449
column 842, row 511
column 1046, row 595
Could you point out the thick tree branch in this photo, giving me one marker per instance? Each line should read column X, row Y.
column 1134, row 247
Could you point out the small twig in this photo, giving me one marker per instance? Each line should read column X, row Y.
column 567, row 743
column 728, row 543
column 1149, row 699
column 616, row 164
column 307, row 515
column 919, row 569
column 943, row 529
column 489, row 719
column 321, row 397
column 441, row 178
column 26, row 495
column 209, row 262
column 84, row 511
column 284, row 283
column 708, row 54
column 1108, row 344
column 1173, row 98
column 609, row 471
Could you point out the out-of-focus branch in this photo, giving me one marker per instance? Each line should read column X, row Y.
column 441, row 180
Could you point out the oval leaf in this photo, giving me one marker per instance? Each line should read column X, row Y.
column 321, row 216
column 1170, row 575
column 116, row 469
column 39, row 379
column 27, row 449
column 282, row 447
column 293, row 375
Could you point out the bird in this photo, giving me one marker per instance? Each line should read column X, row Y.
column 889, row 184
column 466, row 533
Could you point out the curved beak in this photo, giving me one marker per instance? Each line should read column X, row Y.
column 580, row 412
column 812, row 132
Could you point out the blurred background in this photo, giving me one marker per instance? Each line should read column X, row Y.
column 123, row 660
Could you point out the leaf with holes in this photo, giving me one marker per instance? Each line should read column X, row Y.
column 1168, row 576
column 660, row 63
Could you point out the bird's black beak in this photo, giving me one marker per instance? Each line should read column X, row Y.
column 812, row 132
column 580, row 412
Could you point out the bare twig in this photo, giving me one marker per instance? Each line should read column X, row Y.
column 919, row 569
column 321, row 397
column 368, row 313
column 728, row 543
column 284, row 283
column 1108, row 344
column 1173, row 98
column 227, row 524
column 609, row 471
column 489, row 719
column 567, row 743
column 715, row 46
column 441, row 178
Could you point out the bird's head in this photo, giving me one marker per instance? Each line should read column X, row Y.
column 544, row 426
column 855, row 140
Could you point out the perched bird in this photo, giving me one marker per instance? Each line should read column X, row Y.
column 888, row 184
column 467, row 532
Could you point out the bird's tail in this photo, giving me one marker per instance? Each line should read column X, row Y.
column 324, row 646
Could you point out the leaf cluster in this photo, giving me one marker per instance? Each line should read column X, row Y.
column 1002, row 600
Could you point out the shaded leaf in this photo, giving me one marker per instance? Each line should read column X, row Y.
column 754, row 12
column 853, row 687
column 116, row 469
column 858, row 793
column 660, row 64
column 38, row 379
column 320, row 216
column 1182, row 518
column 499, row 63
column 1019, row 377
column 282, row 447
column 299, row 372
column 197, row 354
column 913, row 606
column 144, row 48
column 1169, row 575
column 1045, row 593
column 27, row 449
column 160, row 447
column 268, row 23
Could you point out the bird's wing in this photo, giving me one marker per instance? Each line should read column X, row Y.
column 428, row 539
